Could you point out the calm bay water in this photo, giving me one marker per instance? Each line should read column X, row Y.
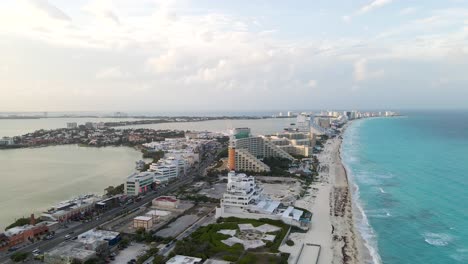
column 411, row 175
column 17, row 127
column 258, row 126
column 32, row 180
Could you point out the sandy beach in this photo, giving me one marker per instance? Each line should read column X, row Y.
column 332, row 224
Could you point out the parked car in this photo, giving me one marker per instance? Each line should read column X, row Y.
column 12, row 249
column 67, row 237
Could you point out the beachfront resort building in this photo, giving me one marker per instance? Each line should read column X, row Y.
column 295, row 143
column 241, row 191
column 245, row 199
column 246, row 151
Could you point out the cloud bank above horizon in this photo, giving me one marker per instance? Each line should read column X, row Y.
column 162, row 55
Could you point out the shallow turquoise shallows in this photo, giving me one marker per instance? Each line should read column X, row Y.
column 411, row 186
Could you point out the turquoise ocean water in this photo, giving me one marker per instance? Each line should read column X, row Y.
column 410, row 176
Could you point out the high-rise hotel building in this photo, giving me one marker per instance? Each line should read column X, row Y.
column 246, row 151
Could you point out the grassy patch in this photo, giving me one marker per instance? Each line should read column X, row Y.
column 206, row 241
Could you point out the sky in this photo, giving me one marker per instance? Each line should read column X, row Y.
column 211, row 55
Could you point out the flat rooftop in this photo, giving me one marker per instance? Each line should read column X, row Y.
column 71, row 249
column 179, row 259
column 143, row 218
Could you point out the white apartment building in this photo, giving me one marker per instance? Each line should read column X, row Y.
column 169, row 168
column 241, row 192
column 139, row 183
column 6, row 141
column 244, row 199
column 303, row 122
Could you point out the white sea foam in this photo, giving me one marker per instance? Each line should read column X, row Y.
column 437, row 239
column 365, row 230
column 378, row 213
column 461, row 255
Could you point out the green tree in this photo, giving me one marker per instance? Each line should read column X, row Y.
column 159, row 260
column 19, row 222
column 19, row 256
column 111, row 190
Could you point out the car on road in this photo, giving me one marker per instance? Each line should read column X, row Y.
column 36, row 252
column 12, row 249
column 67, row 237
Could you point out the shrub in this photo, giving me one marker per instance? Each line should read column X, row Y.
column 248, row 258
column 19, row 222
column 19, row 256
column 230, row 258
column 290, row 243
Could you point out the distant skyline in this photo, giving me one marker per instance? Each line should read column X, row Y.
column 209, row 55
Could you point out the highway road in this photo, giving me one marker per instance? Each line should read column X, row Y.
column 45, row 245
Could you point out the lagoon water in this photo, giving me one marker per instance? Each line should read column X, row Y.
column 257, row 126
column 17, row 127
column 32, row 180
column 35, row 179
column 411, row 180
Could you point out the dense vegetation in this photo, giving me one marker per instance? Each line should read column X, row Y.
column 111, row 190
column 21, row 222
column 18, row 222
column 197, row 198
column 223, row 154
column 223, row 140
column 155, row 155
column 19, row 256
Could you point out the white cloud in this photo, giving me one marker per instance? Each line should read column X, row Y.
column 177, row 50
column 375, row 4
column 363, row 73
column 103, row 10
column 45, row 7
column 312, row 83
column 112, row 73
column 346, row 19
column 407, row 11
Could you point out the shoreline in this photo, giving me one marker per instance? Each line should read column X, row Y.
column 362, row 251
column 369, row 253
column 348, row 246
column 334, row 222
